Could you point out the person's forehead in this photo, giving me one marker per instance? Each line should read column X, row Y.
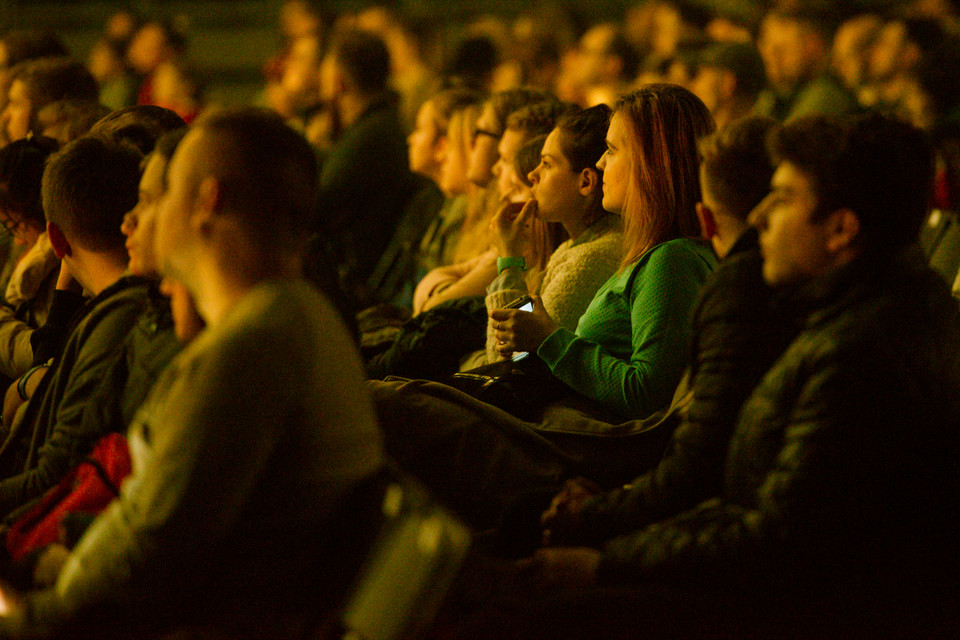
column 511, row 141
column 152, row 179
column 183, row 162
column 551, row 146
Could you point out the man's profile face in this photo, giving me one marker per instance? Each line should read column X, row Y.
column 483, row 153
column 794, row 246
column 510, row 143
column 172, row 232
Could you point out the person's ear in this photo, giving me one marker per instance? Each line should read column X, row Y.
column 207, row 204
column 843, row 228
column 588, row 181
column 61, row 246
column 708, row 222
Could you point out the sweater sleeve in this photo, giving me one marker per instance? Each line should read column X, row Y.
column 661, row 299
column 16, row 354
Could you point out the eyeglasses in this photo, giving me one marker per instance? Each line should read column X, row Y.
column 483, row 132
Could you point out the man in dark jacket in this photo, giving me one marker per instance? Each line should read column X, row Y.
column 365, row 180
column 87, row 188
column 839, row 488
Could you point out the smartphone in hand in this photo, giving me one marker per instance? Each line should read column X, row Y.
column 523, row 303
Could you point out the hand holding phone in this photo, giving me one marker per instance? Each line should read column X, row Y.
column 521, row 331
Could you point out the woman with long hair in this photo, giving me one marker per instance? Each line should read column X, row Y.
column 623, row 361
column 568, row 190
column 630, row 347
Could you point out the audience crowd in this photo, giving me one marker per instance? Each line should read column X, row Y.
column 663, row 310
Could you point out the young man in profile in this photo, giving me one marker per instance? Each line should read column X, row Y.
column 835, row 512
column 253, row 436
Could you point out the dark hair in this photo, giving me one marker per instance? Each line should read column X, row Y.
column 664, row 123
column 449, row 101
column 73, row 118
column 583, row 136
column 878, row 167
column 21, row 171
column 269, row 173
column 621, row 48
column 52, row 79
column 740, row 58
column 937, row 75
column 737, row 166
column 22, row 44
column 506, row 102
column 166, row 146
column 473, row 61
column 538, row 119
column 528, row 157
column 87, row 188
column 364, row 58
column 138, row 126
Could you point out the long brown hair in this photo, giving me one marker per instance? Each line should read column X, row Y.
column 663, row 123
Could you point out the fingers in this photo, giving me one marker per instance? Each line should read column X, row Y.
column 528, row 211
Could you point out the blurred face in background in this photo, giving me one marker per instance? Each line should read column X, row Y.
column 504, row 169
column 454, row 169
column 484, row 153
column 17, row 113
column 426, row 143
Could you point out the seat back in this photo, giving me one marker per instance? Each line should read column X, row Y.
column 416, row 554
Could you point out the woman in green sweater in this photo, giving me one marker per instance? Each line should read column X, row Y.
column 625, row 358
column 631, row 344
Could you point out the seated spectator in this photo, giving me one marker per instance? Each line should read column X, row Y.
column 485, row 138
column 795, row 46
column 738, row 332
column 146, row 351
column 19, row 45
column 567, row 189
column 176, row 87
column 30, row 278
column 625, row 359
column 87, row 187
column 37, row 83
column 436, row 343
column 897, row 52
column 851, row 54
column 153, row 44
column 659, row 241
column 439, row 245
column 365, row 180
column 108, row 66
column 67, row 120
column 209, row 503
column 137, row 127
column 728, row 78
column 471, row 277
column 606, row 63
column 843, row 406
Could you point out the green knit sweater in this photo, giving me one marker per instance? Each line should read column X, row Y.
column 632, row 342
